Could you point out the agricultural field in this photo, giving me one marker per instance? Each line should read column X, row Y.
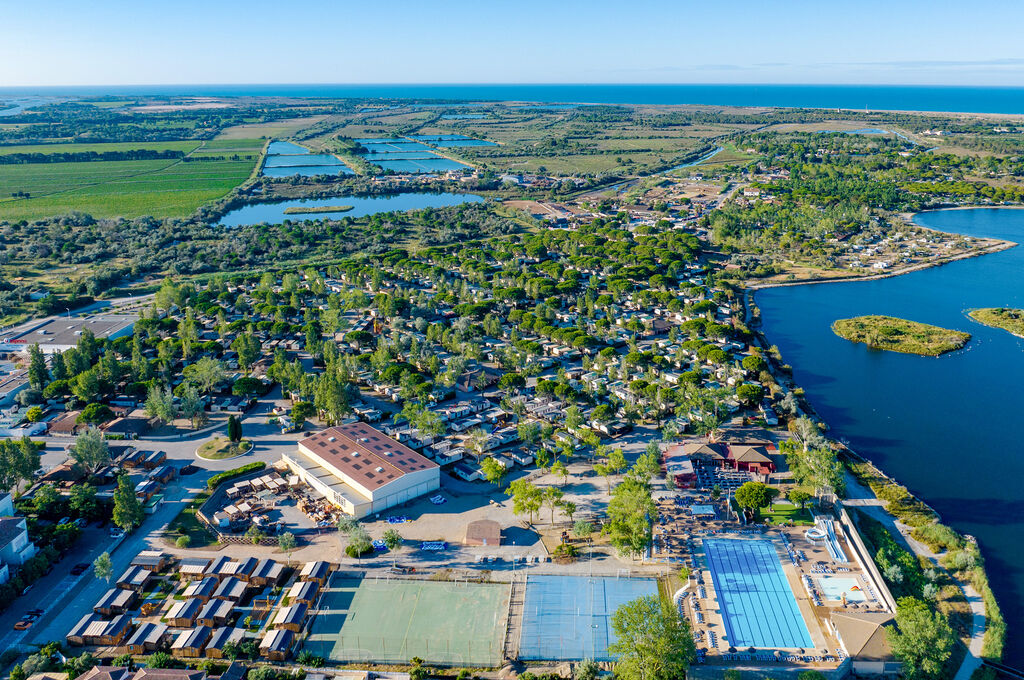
column 132, row 188
column 272, row 129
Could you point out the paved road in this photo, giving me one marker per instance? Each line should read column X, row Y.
column 66, row 599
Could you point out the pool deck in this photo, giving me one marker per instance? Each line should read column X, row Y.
column 680, row 539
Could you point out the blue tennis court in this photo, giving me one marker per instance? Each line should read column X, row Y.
column 569, row 617
column 757, row 603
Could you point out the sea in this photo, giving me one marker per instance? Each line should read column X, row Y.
column 1006, row 100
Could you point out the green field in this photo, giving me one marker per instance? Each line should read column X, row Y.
column 160, row 188
column 186, row 146
column 391, row 621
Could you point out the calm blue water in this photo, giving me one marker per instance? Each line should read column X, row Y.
column 278, row 148
column 951, row 427
column 888, row 97
column 305, row 159
column 285, row 159
column 273, row 212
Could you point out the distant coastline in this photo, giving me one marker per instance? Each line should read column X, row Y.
column 891, row 98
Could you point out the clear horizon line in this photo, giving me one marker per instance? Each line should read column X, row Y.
column 513, row 84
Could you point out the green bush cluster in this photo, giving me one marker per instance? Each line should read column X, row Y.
column 221, row 477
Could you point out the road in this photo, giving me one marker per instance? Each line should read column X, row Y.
column 64, row 598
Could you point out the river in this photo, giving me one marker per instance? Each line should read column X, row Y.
column 950, row 428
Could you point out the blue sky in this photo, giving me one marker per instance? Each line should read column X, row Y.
column 48, row 42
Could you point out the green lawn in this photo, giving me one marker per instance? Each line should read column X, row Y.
column 186, row 523
column 100, row 147
column 782, row 513
column 220, row 448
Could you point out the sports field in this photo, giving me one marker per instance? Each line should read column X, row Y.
column 755, row 598
column 381, row 621
column 568, row 617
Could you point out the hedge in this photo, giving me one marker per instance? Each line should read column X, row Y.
column 221, row 477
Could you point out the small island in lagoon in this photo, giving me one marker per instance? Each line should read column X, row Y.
column 1008, row 319
column 900, row 335
column 303, row 210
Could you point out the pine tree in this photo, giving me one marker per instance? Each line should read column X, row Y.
column 234, row 429
column 128, row 512
column 38, row 376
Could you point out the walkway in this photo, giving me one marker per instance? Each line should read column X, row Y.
column 865, row 501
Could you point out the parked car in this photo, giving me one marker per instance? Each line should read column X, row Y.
column 79, row 568
column 63, row 521
column 116, row 532
column 81, row 522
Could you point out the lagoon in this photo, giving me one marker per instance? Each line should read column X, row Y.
column 949, row 427
column 272, row 212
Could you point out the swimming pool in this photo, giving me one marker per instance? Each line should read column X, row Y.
column 757, row 604
column 834, row 586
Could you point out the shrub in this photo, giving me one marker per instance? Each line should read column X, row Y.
column 221, row 477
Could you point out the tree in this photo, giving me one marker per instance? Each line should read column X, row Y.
column 629, row 512
column 160, row 404
column 528, row 432
column 646, row 466
column 573, row 418
column 526, row 498
column 605, row 471
column 247, row 387
column 286, row 542
column 103, row 567
column 82, row 500
column 254, row 535
column 798, row 497
column 559, row 469
column 750, row 394
column 38, row 376
column 754, row 495
column 34, row 414
column 922, row 639
column 569, row 508
column 302, row 411
column 193, row 408
column 248, row 348
column 582, row 528
column 552, row 498
column 86, row 386
column 234, row 429
column 359, row 542
column 816, row 467
column 19, row 461
column 616, row 461
column 393, row 540
column 652, row 641
column 205, row 374
column 128, row 512
column 493, row 471
column 90, row 451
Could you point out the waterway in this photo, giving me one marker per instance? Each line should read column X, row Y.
column 272, row 212
column 950, row 428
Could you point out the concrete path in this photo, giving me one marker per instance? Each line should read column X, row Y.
column 865, row 501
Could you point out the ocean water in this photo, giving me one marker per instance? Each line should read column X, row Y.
column 883, row 97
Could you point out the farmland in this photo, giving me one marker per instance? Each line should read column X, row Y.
column 159, row 188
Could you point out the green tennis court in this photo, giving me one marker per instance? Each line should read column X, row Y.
column 391, row 621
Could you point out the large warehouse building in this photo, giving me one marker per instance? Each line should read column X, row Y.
column 61, row 333
column 362, row 470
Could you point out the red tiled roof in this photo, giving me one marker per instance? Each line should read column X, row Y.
column 365, row 454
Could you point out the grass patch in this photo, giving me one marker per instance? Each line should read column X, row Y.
column 221, row 448
column 900, row 335
column 782, row 513
column 302, row 210
column 1010, row 320
column 187, row 524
